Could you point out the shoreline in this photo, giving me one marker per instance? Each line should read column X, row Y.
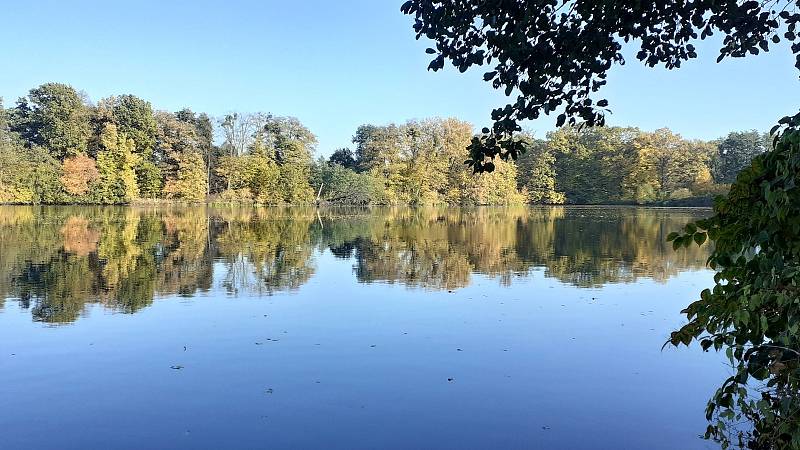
column 174, row 203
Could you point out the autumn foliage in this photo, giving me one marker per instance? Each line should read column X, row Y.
column 78, row 173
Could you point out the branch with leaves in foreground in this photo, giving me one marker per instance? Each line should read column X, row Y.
column 753, row 310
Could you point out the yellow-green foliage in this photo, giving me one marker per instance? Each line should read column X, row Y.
column 422, row 163
column 263, row 179
column 249, row 178
column 29, row 175
column 14, row 169
column 149, row 178
column 294, row 171
column 670, row 165
column 536, row 173
column 293, row 182
column 190, row 182
column 115, row 162
column 52, row 140
column 489, row 188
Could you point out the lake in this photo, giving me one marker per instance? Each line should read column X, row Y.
column 349, row 328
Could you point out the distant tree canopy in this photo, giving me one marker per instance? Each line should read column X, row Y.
column 736, row 150
column 128, row 151
column 554, row 55
column 53, row 116
column 343, row 157
column 4, row 131
column 134, row 117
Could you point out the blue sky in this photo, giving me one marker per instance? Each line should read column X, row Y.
column 338, row 64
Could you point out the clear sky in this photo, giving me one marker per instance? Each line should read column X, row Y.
column 338, row 64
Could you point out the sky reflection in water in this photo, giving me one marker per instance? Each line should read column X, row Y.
column 390, row 328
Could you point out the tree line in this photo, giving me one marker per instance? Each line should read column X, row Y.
column 57, row 147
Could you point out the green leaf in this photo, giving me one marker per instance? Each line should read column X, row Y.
column 700, row 238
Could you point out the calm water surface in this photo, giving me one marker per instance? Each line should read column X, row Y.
column 383, row 328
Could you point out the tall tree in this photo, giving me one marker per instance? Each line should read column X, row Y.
column 55, row 117
column 591, row 163
column 4, row 130
column 667, row 163
column 343, row 157
column 376, row 146
column 735, row 152
column 19, row 121
column 279, row 132
column 28, row 174
column 188, row 180
column 211, row 152
column 424, row 165
column 252, row 177
column 263, row 175
column 537, row 173
column 295, row 168
column 204, row 129
column 116, row 160
column 134, row 117
column 178, row 146
column 240, row 130
column 292, row 145
column 378, row 152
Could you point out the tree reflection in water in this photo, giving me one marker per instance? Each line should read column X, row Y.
column 55, row 260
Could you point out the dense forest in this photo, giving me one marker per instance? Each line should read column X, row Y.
column 56, row 147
